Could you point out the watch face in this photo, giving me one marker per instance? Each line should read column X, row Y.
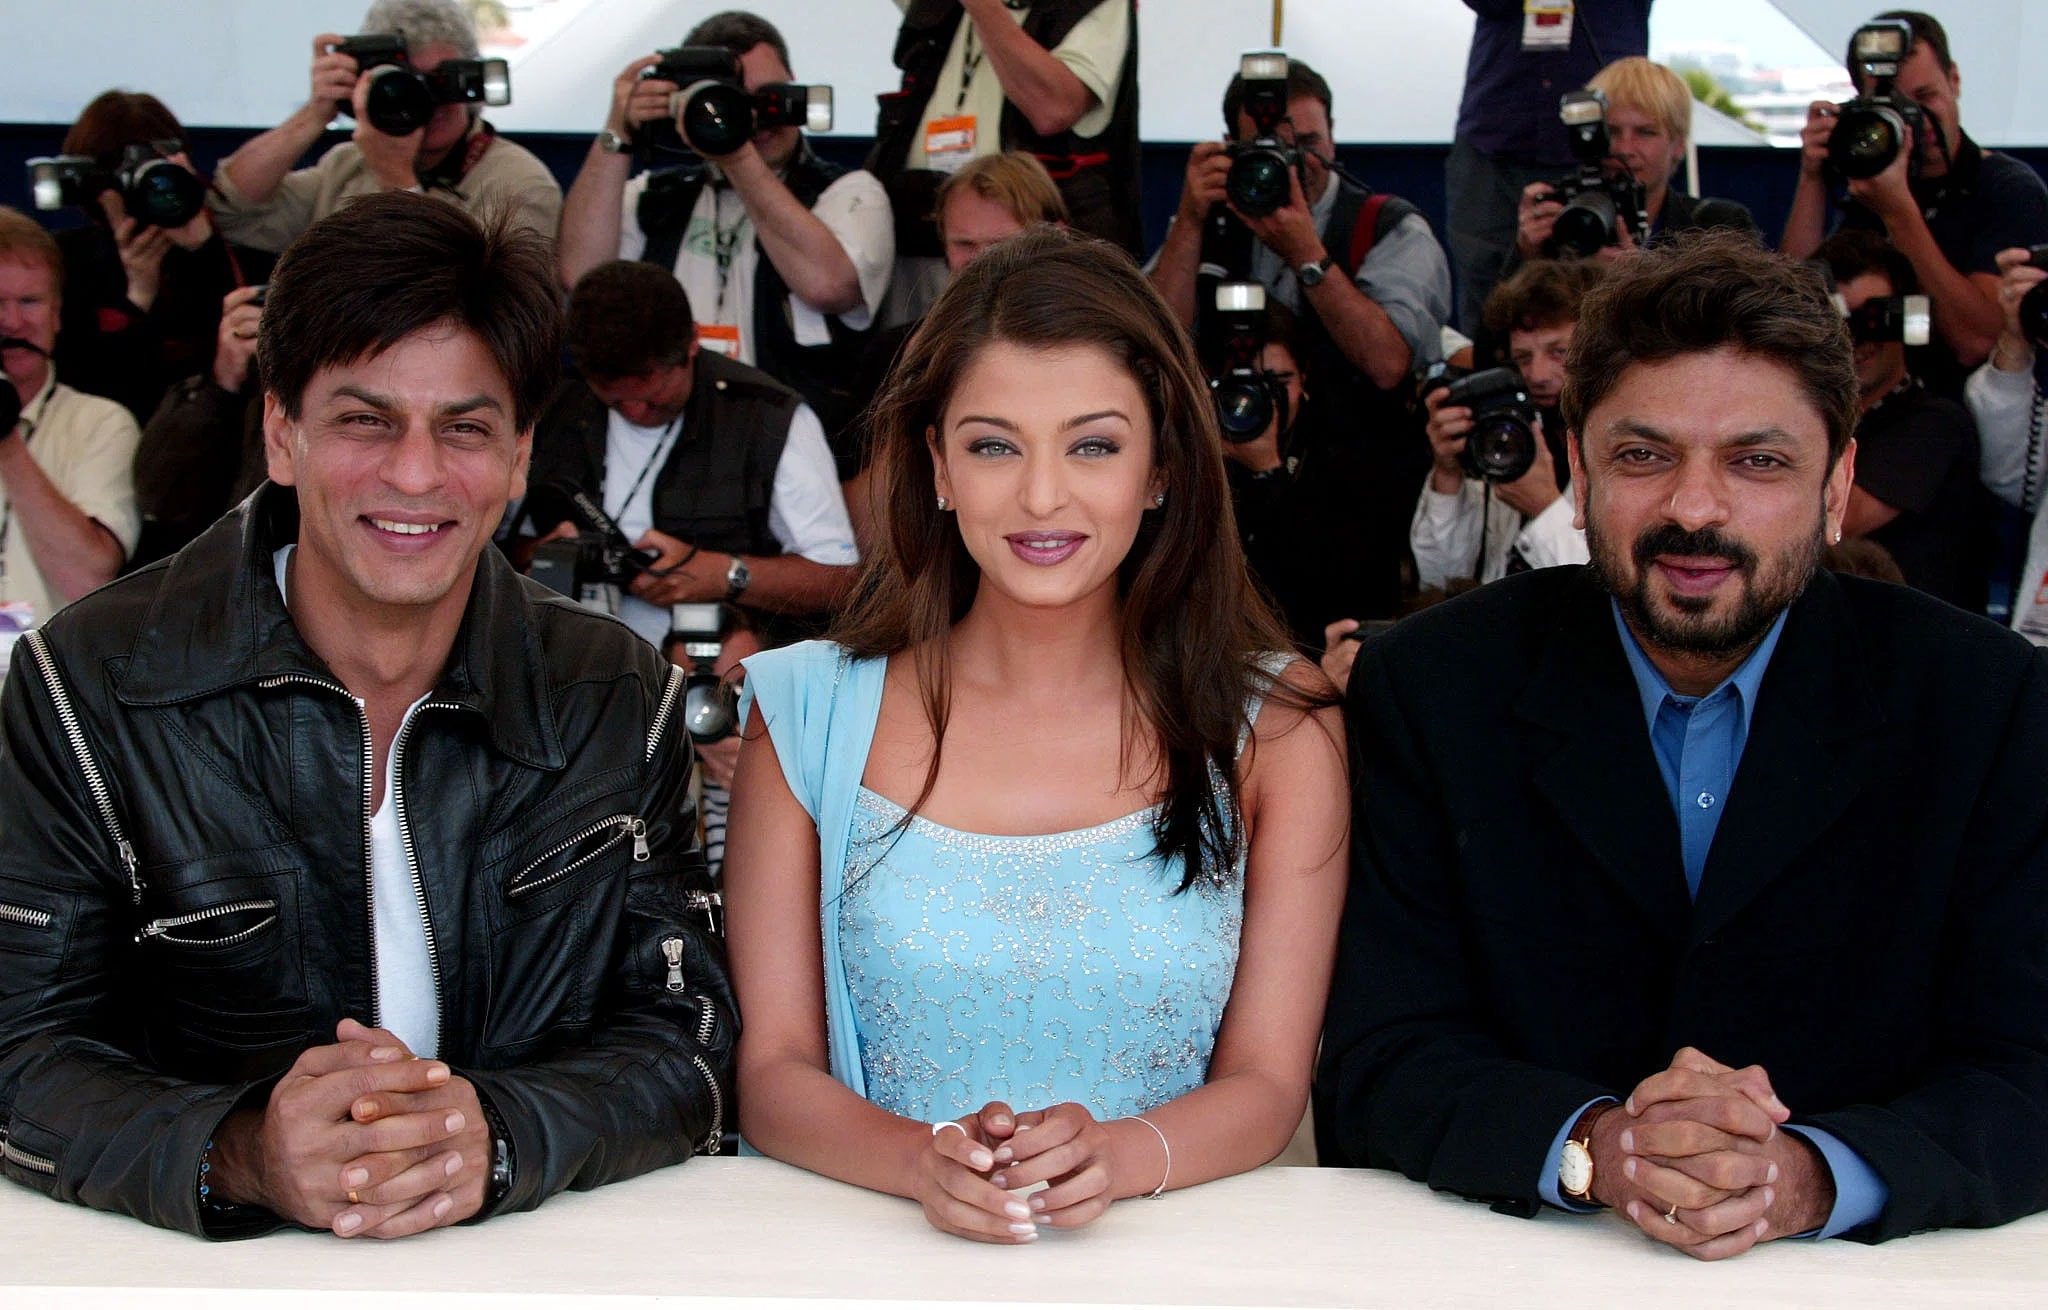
column 1575, row 1169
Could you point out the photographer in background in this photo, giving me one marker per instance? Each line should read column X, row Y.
column 456, row 155
column 142, row 300
column 1370, row 290
column 716, row 469
column 1649, row 121
column 785, row 258
column 1916, row 492
column 2007, row 400
column 1468, row 528
column 1947, row 204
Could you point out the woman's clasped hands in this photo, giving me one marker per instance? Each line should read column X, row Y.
column 978, row 1175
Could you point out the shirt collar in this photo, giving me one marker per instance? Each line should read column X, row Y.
column 1654, row 690
column 39, row 404
column 1326, row 202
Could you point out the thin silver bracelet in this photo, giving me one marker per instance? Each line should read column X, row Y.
column 1160, row 1190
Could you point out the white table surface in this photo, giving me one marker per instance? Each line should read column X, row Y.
column 727, row 1231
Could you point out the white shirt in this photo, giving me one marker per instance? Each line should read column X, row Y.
column 854, row 209
column 1445, row 534
column 1093, row 51
column 86, row 446
column 806, row 509
column 407, row 1003
column 2004, row 406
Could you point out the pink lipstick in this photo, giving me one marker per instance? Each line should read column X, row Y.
column 1045, row 548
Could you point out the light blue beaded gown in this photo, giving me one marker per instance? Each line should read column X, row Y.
column 963, row 968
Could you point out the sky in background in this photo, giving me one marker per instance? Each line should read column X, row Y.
column 1773, row 40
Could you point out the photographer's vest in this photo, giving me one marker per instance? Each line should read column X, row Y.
column 822, row 374
column 1097, row 176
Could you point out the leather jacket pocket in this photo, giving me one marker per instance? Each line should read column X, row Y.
column 28, row 920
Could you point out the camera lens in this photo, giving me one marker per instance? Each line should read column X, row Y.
column 1257, row 183
column 711, row 709
column 1865, row 141
column 163, row 193
column 1502, row 447
column 717, row 117
column 1243, row 408
column 399, row 101
column 1586, row 225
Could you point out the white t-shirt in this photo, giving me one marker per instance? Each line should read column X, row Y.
column 854, row 209
column 407, row 1001
column 806, row 509
column 86, row 446
column 1093, row 51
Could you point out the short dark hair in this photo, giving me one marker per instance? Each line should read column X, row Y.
column 1853, row 252
column 1702, row 292
column 1543, row 293
column 739, row 32
column 116, row 120
column 627, row 318
column 1927, row 30
column 384, row 267
column 1302, row 81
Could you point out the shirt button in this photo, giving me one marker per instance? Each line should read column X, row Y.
column 1706, row 800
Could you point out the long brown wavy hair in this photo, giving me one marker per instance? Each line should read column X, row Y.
column 1192, row 626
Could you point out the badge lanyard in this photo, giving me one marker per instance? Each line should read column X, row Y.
column 660, row 447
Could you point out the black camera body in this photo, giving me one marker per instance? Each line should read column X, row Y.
column 401, row 99
column 1248, row 397
column 2034, row 304
column 155, row 190
column 592, row 567
column 1502, row 444
column 1872, row 129
column 1260, row 168
column 717, row 112
column 1905, row 319
column 1593, row 200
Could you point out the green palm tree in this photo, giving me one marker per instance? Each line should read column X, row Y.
column 1708, row 91
column 490, row 15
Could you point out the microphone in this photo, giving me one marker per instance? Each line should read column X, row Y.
column 20, row 343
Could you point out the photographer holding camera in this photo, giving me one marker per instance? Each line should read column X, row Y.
column 785, row 258
column 1627, row 156
column 715, row 469
column 450, row 151
column 1947, row 204
column 2008, row 401
column 1366, row 280
column 1482, row 517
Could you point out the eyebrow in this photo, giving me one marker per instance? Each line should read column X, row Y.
column 1074, row 422
column 390, row 405
column 1755, row 437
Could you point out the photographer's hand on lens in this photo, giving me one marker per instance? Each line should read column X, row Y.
column 333, row 78
column 1289, row 231
column 235, row 342
column 1536, row 490
column 1535, row 217
column 953, row 1179
column 142, row 250
column 2014, row 353
column 1889, row 195
column 1447, row 429
column 1813, row 138
column 390, row 159
column 1203, row 187
column 637, row 99
column 1624, row 243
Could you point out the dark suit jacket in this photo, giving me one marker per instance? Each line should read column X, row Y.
column 1872, row 924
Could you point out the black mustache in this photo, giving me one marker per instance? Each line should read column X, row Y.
column 17, row 343
column 1670, row 539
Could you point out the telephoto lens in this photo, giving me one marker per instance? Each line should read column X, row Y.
column 717, row 118
column 399, row 102
column 1258, row 180
column 1866, row 139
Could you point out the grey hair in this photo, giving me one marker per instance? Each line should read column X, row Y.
column 425, row 22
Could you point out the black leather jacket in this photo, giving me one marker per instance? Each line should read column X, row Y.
column 167, row 951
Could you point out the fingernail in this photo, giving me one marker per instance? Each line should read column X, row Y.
column 386, row 1054
column 1631, row 1104
column 981, row 1160
column 1777, row 1104
column 1772, row 1176
column 1038, row 1203
column 454, row 1121
column 1629, row 1167
column 1001, row 1180
column 1023, row 1128
column 1628, row 1139
column 1762, row 1226
column 454, row 1165
column 355, row 1178
column 1635, row 1210
column 443, row 1206
column 1770, row 1195
column 1031, row 1236
column 1017, row 1210
column 438, row 1074
column 1024, row 1230
column 348, row 1223
column 1004, row 1155
column 999, row 1121
column 365, row 1109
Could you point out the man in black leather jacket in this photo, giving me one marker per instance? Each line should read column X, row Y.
column 352, row 880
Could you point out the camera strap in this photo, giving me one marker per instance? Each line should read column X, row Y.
column 661, row 448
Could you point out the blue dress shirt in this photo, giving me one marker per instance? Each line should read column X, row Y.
column 1698, row 742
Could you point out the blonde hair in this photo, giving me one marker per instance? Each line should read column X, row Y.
column 1014, row 179
column 1651, row 87
column 26, row 241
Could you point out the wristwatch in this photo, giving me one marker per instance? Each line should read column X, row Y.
column 737, row 576
column 612, row 143
column 501, row 1156
column 1575, row 1162
column 1312, row 273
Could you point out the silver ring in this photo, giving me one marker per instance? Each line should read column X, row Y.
column 1671, row 1215
column 943, row 1124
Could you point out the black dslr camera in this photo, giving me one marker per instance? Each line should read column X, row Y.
column 717, row 112
column 1592, row 199
column 1903, row 319
column 711, row 704
column 1248, row 396
column 2034, row 304
column 594, row 567
column 155, row 189
column 1871, row 130
column 401, row 98
column 1259, row 168
column 1502, row 444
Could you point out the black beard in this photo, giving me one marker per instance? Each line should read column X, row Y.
column 1690, row 632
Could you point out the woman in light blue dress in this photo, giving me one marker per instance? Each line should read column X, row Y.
column 1033, row 872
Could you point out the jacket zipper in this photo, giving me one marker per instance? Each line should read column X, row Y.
column 95, row 782
column 670, row 694
column 369, row 796
column 23, row 916
column 33, row 1163
column 412, row 862
column 162, row 927
column 711, row 1138
column 625, row 823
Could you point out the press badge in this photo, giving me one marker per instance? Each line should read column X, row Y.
column 1547, row 24
column 721, row 337
column 949, row 143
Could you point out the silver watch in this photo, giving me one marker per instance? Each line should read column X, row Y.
column 612, row 143
column 737, row 576
column 1312, row 273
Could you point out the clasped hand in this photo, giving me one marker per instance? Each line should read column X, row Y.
column 971, row 1182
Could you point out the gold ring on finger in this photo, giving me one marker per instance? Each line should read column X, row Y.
column 1671, row 1215
column 353, row 1199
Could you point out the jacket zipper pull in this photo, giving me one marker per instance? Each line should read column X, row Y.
column 640, row 851
column 129, row 863
column 672, row 951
